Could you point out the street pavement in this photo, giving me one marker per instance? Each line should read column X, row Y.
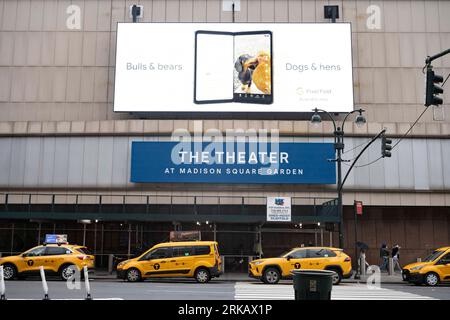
column 215, row 290
column 344, row 291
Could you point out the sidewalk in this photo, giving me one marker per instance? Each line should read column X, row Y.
column 243, row 277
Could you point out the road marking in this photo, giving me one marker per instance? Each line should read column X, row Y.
column 256, row 291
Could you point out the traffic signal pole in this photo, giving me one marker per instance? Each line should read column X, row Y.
column 359, row 155
column 429, row 59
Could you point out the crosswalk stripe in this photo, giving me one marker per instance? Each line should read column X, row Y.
column 255, row 291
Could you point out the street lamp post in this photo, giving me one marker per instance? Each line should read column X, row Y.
column 339, row 147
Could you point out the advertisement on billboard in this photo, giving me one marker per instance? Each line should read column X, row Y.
column 283, row 163
column 239, row 67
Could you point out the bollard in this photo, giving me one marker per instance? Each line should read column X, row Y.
column 44, row 283
column 391, row 266
column 362, row 262
column 2, row 285
column 110, row 263
column 419, row 259
column 222, row 258
column 87, row 285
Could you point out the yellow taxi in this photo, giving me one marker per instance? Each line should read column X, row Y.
column 55, row 258
column 433, row 270
column 272, row 270
column 197, row 259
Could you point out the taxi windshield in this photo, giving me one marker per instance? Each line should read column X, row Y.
column 433, row 256
column 285, row 254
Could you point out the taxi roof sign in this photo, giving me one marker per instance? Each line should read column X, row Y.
column 56, row 239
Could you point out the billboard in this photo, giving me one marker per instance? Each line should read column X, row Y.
column 233, row 67
column 231, row 163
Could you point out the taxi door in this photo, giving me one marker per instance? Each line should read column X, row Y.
column 296, row 260
column 55, row 257
column 317, row 258
column 33, row 259
column 182, row 261
column 157, row 263
column 443, row 267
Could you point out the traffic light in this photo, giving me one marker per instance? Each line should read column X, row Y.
column 385, row 146
column 432, row 90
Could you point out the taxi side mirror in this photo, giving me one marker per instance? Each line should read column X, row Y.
column 289, row 258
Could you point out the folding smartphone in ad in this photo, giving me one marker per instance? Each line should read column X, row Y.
column 233, row 67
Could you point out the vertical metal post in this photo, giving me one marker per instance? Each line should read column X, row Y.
column 39, row 233
column 195, row 205
column 110, row 263
column 129, row 241
column 12, row 238
column 391, row 266
column 339, row 146
column 103, row 240
column 215, row 231
column 331, row 238
column 136, row 241
column 321, row 237
column 362, row 263
column 84, row 234
column 95, row 238
column 356, row 239
column 260, row 242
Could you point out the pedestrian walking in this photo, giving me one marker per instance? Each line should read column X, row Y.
column 384, row 255
column 396, row 257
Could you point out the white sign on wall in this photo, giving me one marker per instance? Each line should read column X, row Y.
column 279, row 209
column 233, row 67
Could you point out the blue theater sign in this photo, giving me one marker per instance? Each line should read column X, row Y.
column 242, row 163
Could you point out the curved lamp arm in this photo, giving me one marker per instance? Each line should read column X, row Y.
column 329, row 116
column 360, row 110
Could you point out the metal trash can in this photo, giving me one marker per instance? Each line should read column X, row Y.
column 313, row 284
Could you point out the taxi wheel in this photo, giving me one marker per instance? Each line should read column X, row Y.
column 9, row 271
column 133, row 275
column 337, row 277
column 202, row 275
column 271, row 276
column 431, row 279
column 67, row 272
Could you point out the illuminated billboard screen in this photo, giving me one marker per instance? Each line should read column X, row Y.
column 239, row 67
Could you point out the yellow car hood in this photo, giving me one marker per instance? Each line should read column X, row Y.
column 415, row 264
